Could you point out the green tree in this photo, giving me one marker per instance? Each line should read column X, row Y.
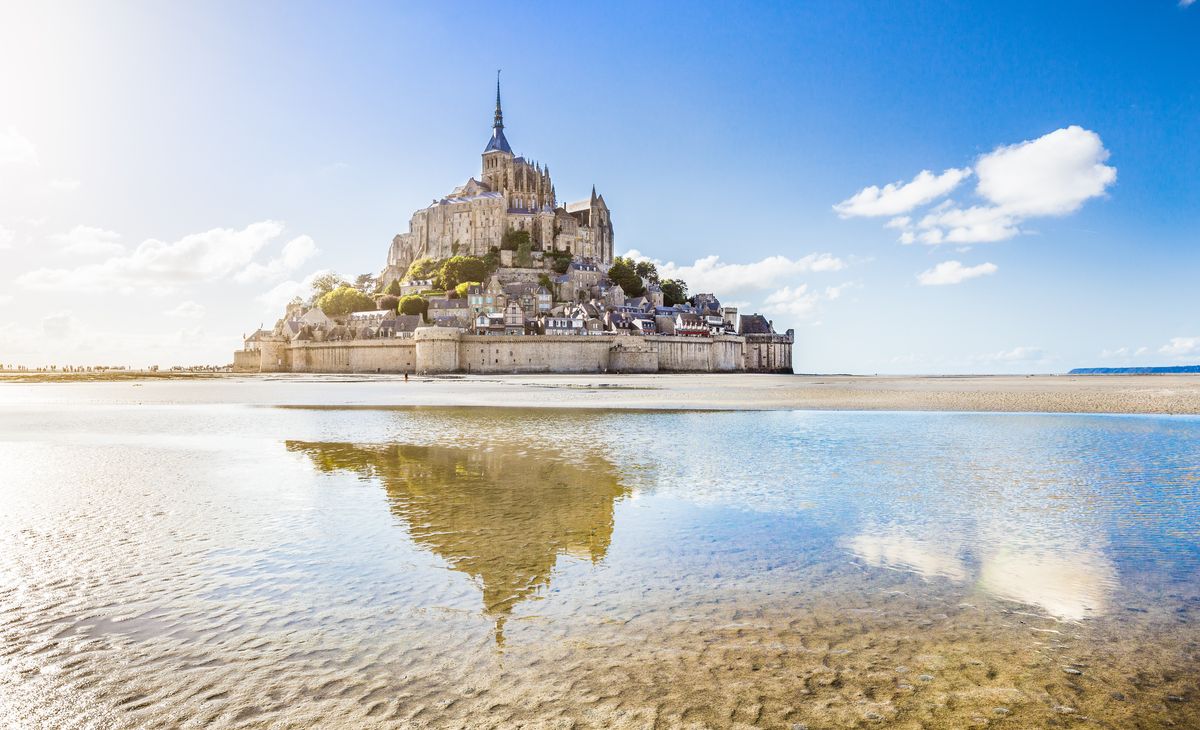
column 524, row 255
column 461, row 289
column 458, row 269
column 413, row 304
column 324, row 284
column 544, row 280
column 389, row 301
column 344, row 300
column 623, row 272
column 365, row 283
column 674, row 291
column 394, row 288
column 512, row 240
column 647, row 270
column 562, row 262
column 492, row 260
column 422, row 268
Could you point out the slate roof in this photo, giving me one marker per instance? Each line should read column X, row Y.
column 370, row 314
column 754, row 324
column 467, row 198
column 498, row 142
column 407, row 322
column 518, row 288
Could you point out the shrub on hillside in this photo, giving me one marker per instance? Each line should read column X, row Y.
column 458, row 269
column 344, row 300
column 413, row 304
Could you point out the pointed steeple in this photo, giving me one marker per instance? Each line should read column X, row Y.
column 499, row 119
column 498, row 142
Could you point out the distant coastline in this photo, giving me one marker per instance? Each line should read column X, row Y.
column 1166, row 370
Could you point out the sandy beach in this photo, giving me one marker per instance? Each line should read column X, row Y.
column 1164, row 394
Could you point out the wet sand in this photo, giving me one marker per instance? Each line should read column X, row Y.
column 259, row 567
column 1162, row 394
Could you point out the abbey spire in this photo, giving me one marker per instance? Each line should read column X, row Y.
column 498, row 143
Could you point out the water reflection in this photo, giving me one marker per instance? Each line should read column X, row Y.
column 1067, row 578
column 898, row 548
column 501, row 515
column 1067, row 581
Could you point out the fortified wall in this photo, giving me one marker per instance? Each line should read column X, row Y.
column 434, row 350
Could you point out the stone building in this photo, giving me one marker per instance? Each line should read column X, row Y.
column 511, row 194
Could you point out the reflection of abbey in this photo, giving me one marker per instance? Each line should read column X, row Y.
column 511, row 194
column 500, row 277
column 502, row 516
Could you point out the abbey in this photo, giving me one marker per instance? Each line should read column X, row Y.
column 512, row 194
column 544, row 294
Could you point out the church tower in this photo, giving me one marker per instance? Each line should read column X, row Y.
column 498, row 154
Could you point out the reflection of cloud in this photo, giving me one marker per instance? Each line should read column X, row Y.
column 892, row 548
column 1068, row 583
column 1063, row 578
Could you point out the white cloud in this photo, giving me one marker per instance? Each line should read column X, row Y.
column 58, row 325
column 158, row 266
column 293, row 255
column 1182, row 347
column 187, row 310
column 801, row 301
column 63, row 339
column 5, row 298
column 1185, row 3
column 7, row 236
column 900, row 197
column 742, row 285
column 1050, row 176
column 710, row 274
column 277, row 298
column 1053, row 175
column 977, row 224
column 90, row 241
column 953, row 272
column 797, row 302
column 1017, row 354
column 835, row 292
column 1123, row 353
column 16, row 149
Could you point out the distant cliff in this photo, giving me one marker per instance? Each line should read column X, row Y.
column 1137, row 371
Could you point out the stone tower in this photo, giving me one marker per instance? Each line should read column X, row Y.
column 498, row 155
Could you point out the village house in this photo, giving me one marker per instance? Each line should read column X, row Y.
column 415, row 286
column 551, row 325
column 489, row 323
column 514, row 319
column 688, row 324
column 447, row 312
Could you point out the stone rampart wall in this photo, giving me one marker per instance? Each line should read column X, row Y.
column 247, row 361
column 447, row 350
column 354, row 356
column 547, row 354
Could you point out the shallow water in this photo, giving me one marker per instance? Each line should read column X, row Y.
column 232, row 565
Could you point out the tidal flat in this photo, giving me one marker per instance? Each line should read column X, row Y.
column 173, row 555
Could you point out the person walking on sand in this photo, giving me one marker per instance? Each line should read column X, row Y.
column 406, row 376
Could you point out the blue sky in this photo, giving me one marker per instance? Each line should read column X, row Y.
column 254, row 144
